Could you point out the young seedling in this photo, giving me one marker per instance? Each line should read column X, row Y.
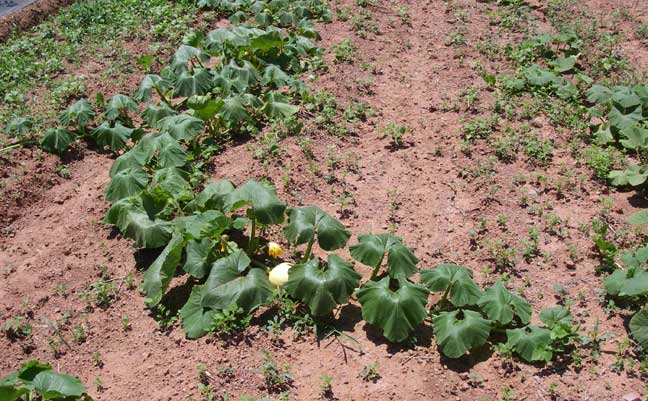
column 326, row 389
column 275, row 378
column 369, row 373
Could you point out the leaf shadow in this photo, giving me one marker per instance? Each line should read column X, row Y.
column 144, row 257
column 392, row 147
column 176, row 297
column 638, row 201
column 467, row 362
column 421, row 337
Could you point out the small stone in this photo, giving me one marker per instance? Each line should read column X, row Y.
column 632, row 397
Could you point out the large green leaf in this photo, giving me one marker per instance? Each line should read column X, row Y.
column 501, row 305
column 196, row 319
column 208, row 224
column 598, row 94
column 624, row 98
column 455, row 281
column 621, row 120
column 226, row 286
column 56, row 140
column 214, row 196
column 241, row 78
column 276, row 106
column 456, row 336
column 182, row 127
column 538, row 76
column 266, row 207
column 639, row 218
column 275, row 76
column 563, row 64
column 398, row 311
column 10, row 389
column 639, row 328
column 170, row 152
column 152, row 115
column 636, row 259
column 158, row 276
column 233, row 111
column 18, row 126
column 119, row 105
column 555, row 316
column 184, row 55
column 79, row 115
column 196, row 82
column 199, row 257
column 134, row 222
column 150, row 82
column 113, row 137
column 634, row 175
column 51, row 385
column 324, row 287
column 173, row 181
column 634, row 138
column 370, row 250
column 627, row 283
column 532, row 343
column 125, row 183
column 306, row 222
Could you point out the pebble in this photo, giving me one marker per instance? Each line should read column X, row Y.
column 632, row 397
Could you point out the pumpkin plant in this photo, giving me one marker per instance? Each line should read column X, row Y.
column 35, row 380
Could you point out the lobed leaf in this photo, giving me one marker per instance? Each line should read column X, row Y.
column 324, row 287
column 397, row 312
column 455, row 281
column 158, row 276
column 306, row 222
column 501, row 305
column 456, row 336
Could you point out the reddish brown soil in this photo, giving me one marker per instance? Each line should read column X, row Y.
column 30, row 15
column 57, row 238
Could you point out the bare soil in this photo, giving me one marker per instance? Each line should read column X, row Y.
column 53, row 235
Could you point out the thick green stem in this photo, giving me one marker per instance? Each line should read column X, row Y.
column 374, row 273
column 309, row 249
column 164, row 98
column 250, row 248
column 17, row 145
column 444, row 299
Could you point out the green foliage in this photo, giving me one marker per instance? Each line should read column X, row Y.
column 395, row 306
column 501, row 306
column 535, row 343
column 459, row 331
column 276, row 378
column 372, row 248
column 18, row 126
column 322, row 288
column 396, row 132
column 307, row 222
column 629, row 286
column 639, row 328
column 455, row 282
column 624, row 112
column 35, row 380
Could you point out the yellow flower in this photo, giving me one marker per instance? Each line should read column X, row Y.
column 274, row 249
column 279, row 274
